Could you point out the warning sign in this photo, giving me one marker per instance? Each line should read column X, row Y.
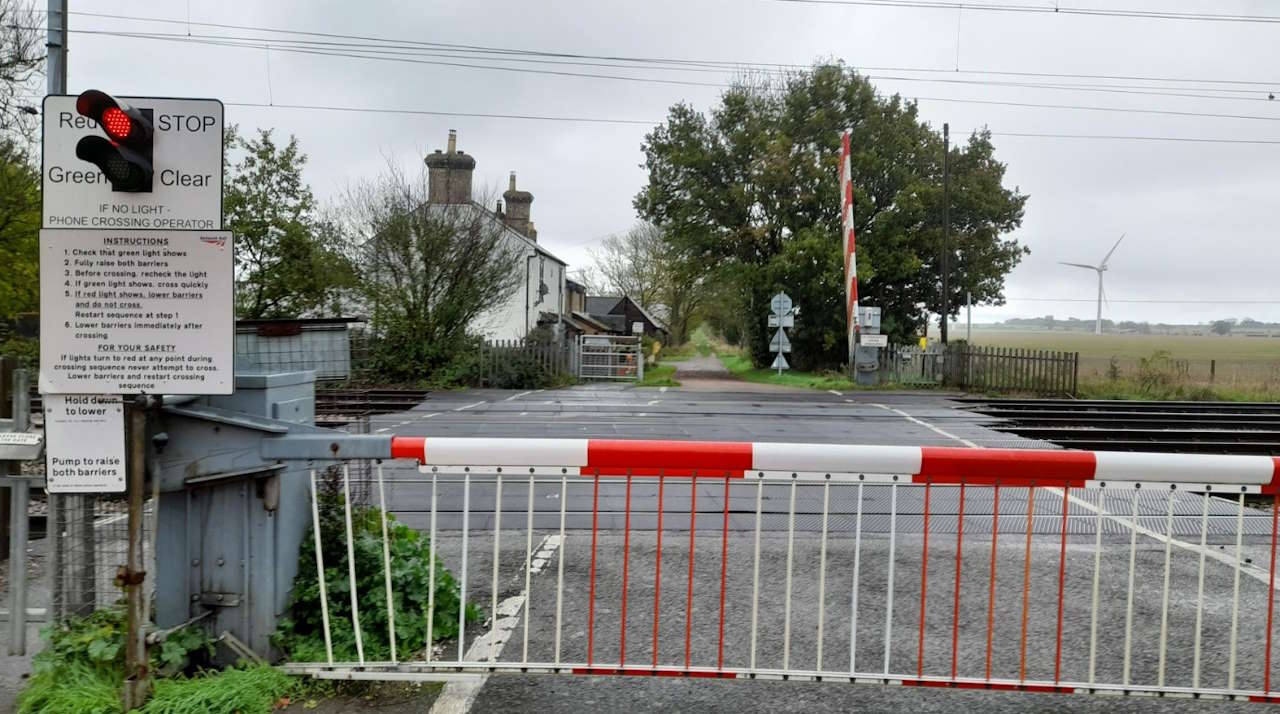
column 84, row 450
column 136, row 312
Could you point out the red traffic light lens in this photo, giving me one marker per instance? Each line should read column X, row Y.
column 117, row 123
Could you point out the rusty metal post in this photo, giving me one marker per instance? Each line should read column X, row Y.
column 137, row 683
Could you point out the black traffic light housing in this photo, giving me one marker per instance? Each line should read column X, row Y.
column 125, row 155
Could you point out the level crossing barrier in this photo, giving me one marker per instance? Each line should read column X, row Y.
column 1004, row 569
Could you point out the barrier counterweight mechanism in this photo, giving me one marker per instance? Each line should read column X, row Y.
column 1033, row 570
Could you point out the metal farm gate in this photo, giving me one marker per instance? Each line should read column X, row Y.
column 1033, row 570
column 612, row 357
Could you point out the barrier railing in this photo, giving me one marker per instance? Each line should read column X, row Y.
column 1036, row 570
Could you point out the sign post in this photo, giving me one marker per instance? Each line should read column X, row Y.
column 781, row 315
column 136, row 296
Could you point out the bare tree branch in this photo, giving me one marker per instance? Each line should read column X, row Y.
column 22, row 59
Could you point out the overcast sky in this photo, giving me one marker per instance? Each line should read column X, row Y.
column 1199, row 216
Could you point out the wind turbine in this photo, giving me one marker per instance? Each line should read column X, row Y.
column 1100, row 268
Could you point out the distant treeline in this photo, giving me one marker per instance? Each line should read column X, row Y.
column 1049, row 322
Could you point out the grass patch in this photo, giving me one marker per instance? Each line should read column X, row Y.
column 78, row 688
column 742, row 368
column 659, row 375
column 256, row 688
column 1132, row 389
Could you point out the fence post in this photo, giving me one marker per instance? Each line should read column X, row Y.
column 7, row 367
column 1213, row 370
column 20, row 491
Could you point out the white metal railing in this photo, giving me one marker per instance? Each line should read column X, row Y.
column 1055, row 571
column 610, row 357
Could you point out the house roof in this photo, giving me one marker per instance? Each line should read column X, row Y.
column 488, row 213
column 594, row 322
column 602, row 304
column 606, row 304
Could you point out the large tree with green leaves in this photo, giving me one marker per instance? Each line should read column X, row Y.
column 751, row 191
column 288, row 264
column 19, row 232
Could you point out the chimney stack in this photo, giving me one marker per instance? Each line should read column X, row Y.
column 517, row 204
column 449, row 174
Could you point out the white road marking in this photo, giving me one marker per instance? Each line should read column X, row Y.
column 663, row 389
column 928, row 426
column 655, row 401
column 458, row 696
column 838, row 394
column 468, row 406
column 382, row 430
column 109, row 520
column 517, row 396
column 522, row 413
column 1222, row 557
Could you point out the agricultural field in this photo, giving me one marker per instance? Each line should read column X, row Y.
column 1231, row 362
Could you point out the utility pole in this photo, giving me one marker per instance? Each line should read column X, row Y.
column 56, row 67
column 137, row 681
column 946, row 227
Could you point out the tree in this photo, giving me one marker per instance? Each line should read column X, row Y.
column 647, row 266
column 1222, row 327
column 19, row 232
column 287, row 263
column 22, row 56
column 751, row 193
column 631, row 263
column 428, row 271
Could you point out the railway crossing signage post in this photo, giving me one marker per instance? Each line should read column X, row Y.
column 136, row 295
column 781, row 315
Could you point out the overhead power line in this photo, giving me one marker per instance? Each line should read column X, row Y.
column 692, row 63
column 425, row 112
column 396, row 54
column 654, row 122
column 1034, row 105
column 1047, row 9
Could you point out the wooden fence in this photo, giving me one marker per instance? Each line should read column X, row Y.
column 502, row 361
column 1001, row 369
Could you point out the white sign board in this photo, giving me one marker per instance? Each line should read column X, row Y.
column 780, row 304
column 787, row 320
column 874, row 340
column 779, row 363
column 780, row 342
column 186, row 188
column 130, row 312
column 85, row 450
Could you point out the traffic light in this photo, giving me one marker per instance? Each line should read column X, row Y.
column 125, row 155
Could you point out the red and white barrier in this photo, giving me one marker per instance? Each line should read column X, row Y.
column 839, row 462
column 850, row 242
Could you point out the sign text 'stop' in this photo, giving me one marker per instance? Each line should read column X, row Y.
column 185, row 190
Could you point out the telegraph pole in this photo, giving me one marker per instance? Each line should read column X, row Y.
column 56, row 67
column 946, row 226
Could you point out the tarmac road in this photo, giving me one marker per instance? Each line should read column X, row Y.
column 820, row 417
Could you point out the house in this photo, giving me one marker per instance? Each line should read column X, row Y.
column 540, row 300
column 622, row 313
column 576, row 316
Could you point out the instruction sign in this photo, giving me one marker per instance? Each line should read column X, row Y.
column 130, row 312
column 84, row 452
column 186, row 191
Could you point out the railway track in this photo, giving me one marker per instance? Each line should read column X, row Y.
column 339, row 407
column 1184, row 427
